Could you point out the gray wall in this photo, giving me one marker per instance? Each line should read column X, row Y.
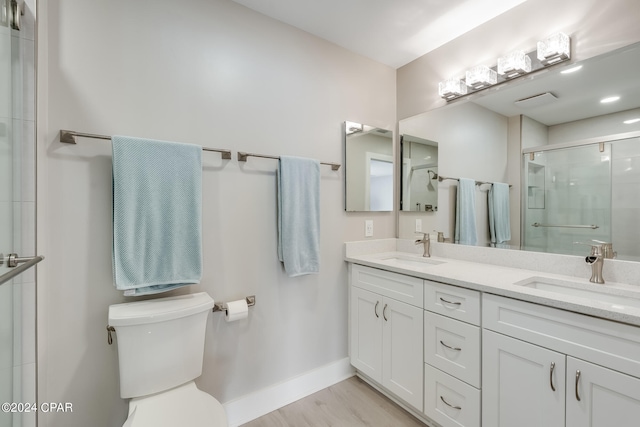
column 216, row 74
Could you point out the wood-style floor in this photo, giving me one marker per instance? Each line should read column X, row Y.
column 350, row 403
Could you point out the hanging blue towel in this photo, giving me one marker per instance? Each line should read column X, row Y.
column 299, row 215
column 465, row 232
column 157, row 227
column 499, row 225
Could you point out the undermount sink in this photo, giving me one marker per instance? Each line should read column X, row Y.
column 612, row 296
column 410, row 261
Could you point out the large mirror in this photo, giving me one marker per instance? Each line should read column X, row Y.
column 368, row 168
column 571, row 156
column 419, row 177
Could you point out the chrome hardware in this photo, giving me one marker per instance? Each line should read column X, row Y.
column 110, row 329
column 384, row 313
column 242, row 157
column 607, row 249
column 592, row 226
column 222, row 306
column 440, row 236
column 449, row 404
column 12, row 261
column 375, row 309
column 450, row 302
column 427, row 244
column 553, row 366
column 449, row 347
column 577, row 381
column 17, row 10
column 69, row 137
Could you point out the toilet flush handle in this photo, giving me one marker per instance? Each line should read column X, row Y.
column 109, row 337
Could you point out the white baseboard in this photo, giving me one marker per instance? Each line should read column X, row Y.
column 254, row 405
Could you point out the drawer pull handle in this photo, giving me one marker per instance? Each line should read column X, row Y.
column 449, row 347
column 384, row 311
column 450, row 302
column 577, row 381
column 449, row 404
column 375, row 309
column 553, row 366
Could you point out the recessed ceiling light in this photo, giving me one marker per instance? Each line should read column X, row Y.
column 609, row 99
column 571, row 70
column 628, row 122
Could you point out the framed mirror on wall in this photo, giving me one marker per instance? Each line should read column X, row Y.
column 369, row 168
column 530, row 133
column 419, row 177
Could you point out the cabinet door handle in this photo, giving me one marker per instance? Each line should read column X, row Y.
column 384, row 311
column 449, row 404
column 553, row 366
column 450, row 302
column 375, row 309
column 577, row 381
column 449, row 347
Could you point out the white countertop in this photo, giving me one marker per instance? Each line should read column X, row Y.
column 501, row 280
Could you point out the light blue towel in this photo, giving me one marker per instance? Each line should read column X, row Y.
column 157, row 215
column 465, row 232
column 499, row 225
column 299, row 215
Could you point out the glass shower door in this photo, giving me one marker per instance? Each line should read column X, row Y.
column 6, row 217
column 568, row 199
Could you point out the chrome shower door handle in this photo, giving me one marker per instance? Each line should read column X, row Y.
column 12, row 261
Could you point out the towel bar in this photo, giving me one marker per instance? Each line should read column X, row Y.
column 69, row 137
column 222, row 306
column 242, row 157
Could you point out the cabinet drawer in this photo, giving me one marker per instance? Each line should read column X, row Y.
column 397, row 286
column 598, row 341
column 449, row 401
column 453, row 347
column 459, row 303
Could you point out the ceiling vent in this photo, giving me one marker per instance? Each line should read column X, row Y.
column 536, row 100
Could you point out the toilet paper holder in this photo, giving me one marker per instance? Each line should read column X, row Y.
column 222, row 306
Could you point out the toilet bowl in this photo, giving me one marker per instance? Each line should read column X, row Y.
column 160, row 353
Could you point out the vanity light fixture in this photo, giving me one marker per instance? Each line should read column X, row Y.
column 452, row 88
column 554, row 49
column 480, row 77
column 514, row 64
column 609, row 99
column 631, row 121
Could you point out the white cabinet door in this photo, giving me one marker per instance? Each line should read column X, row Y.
column 523, row 384
column 606, row 398
column 366, row 333
column 402, row 351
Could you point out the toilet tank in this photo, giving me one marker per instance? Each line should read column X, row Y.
column 160, row 342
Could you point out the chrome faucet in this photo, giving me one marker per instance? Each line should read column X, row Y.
column 427, row 244
column 596, row 260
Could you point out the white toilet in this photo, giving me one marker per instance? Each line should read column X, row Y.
column 160, row 352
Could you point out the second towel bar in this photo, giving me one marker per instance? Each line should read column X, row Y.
column 242, row 157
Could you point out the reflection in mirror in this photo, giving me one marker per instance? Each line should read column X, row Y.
column 368, row 168
column 419, row 178
column 572, row 159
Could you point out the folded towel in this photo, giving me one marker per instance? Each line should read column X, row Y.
column 465, row 232
column 157, row 198
column 498, row 200
column 299, row 215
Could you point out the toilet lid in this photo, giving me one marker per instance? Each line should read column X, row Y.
column 181, row 406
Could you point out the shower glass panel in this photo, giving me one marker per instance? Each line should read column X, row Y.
column 625, row 200
column 7, row 172
column 568, row 199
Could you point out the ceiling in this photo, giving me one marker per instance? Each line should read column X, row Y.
column 392, row 32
